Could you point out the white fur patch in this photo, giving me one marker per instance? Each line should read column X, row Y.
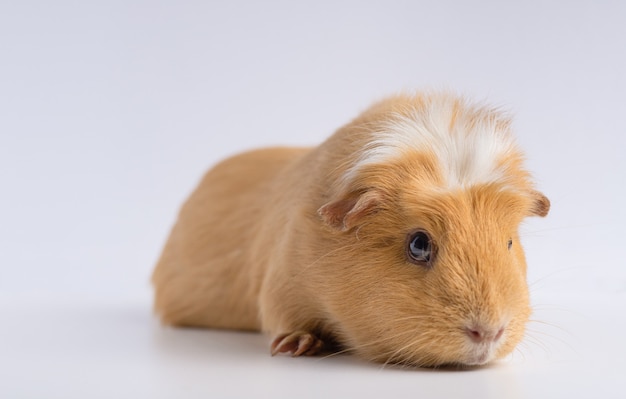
column 468, row 150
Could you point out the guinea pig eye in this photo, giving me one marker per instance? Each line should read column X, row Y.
column 419, row 247
column 510, row 243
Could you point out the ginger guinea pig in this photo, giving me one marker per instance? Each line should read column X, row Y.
column 395, row 239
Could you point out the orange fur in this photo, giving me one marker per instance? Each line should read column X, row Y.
column 278, row 240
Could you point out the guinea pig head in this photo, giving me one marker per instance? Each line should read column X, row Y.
column 426, row 272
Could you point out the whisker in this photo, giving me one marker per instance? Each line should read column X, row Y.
column 562, row 341
column 545, row 323
column 518, row 350
column 396, row 353
column 393, row 357
column 337, row 353
column 532, row 284
column 529, row 339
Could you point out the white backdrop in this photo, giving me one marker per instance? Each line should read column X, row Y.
column 110, row 111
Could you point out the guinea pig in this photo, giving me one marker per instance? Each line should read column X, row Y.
column 395, row 239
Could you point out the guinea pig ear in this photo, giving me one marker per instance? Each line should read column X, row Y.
column 540, row 204
column 345, row 213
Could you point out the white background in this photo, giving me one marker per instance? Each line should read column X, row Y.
column 111, row 111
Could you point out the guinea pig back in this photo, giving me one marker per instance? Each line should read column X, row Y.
column 396, row 239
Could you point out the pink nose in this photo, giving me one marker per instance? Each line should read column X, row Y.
column 479, row 334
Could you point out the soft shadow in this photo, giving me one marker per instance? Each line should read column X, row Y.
column 350, row 360
column 198, row 343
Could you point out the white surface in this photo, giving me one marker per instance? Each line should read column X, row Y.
column 113, row 349
column 110, row 111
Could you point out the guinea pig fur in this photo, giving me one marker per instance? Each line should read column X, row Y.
column 395, row 239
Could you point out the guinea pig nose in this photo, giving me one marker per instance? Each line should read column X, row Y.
column 480, row 334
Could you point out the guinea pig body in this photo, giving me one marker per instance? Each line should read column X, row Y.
column 397, row 239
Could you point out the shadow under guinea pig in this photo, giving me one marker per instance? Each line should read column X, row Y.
column 205, row 345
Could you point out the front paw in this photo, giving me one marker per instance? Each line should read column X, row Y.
column 299, row 343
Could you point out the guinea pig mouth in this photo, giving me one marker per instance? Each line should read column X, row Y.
column 480, row 354
column 479, row 358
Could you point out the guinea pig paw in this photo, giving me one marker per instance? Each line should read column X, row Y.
column 299, row 343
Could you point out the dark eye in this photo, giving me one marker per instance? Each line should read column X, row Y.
column 420, row 247
column 510, row 243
